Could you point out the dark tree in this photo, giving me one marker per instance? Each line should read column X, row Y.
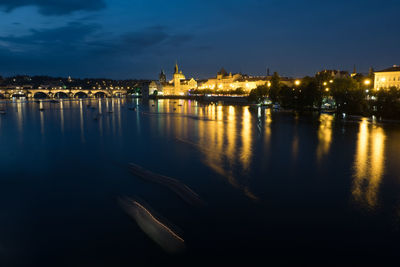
column 309, row 93
column 275, row 87
column 349, row 96
column 287, row 97
column 259, row 94
column 387, row 103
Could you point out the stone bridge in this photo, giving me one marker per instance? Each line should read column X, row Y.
column 61, row 93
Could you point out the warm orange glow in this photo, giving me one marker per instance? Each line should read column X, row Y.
column 367, row 82
column 324, row 135
column 297, row 82
column 369, row 164
column 246, row 138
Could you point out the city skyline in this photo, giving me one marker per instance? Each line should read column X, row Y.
column 132, row 40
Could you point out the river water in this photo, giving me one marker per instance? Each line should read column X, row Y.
column 279, row 188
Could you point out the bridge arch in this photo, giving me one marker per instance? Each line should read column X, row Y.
column 18, row 95
column 100, row 94
column 81, row 94
column 60, row 95
column 118, row 93
column 40, row 94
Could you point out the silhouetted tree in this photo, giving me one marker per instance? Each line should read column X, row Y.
column 275, row 87
column 387, row 103
column 257, row 95
column 287, row 97
column 348, row 95
column 309, row 94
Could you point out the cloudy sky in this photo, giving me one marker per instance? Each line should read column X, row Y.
column 136, row 38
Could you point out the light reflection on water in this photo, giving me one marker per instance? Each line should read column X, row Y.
column 218, row 136
column 324, row 135
column 369, row 164
column 227, row 152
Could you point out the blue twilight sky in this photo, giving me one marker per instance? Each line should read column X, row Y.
column 136, row 38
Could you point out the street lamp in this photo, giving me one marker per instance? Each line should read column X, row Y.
column 297, row 82
column 367, row 82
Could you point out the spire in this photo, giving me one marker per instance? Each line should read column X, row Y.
column 162, row 77
column 371, row 71
column 176, row 68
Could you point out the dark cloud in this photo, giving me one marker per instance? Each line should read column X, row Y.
column 85, row 49
column 66, row 39
column 54, row 7
column 150, row 40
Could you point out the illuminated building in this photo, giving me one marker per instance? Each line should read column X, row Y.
column 179, row 85
column 226, row 82
column 387, row 78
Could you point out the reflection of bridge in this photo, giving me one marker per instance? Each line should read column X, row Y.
column 61, row 93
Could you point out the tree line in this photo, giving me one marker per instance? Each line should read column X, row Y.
column 350, row 95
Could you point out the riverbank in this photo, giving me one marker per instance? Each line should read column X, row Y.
column 227, row 100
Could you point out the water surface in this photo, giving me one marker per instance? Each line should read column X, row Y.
column 279, row 188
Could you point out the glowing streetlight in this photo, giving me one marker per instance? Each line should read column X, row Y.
column 325, row 83
column 367, row 82
column 297, row 82
column 326, row 89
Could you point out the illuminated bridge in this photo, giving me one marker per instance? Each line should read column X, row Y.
column 61, row 93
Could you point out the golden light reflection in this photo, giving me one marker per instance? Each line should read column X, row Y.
column 20, row 117
column 369, row 164
column 224, row 139
column 268, row 121
column 324, row 135
column 113, row 116
column 245, row 154
column 81, row 120
column 231, row 135
column 41, row 120
column 100, row 112
column 119, row 116
column 62, row 115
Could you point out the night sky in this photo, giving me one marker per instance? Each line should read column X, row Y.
column 126, row 39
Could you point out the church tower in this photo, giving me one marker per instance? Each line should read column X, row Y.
column 162, row 77
column 177, row 80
